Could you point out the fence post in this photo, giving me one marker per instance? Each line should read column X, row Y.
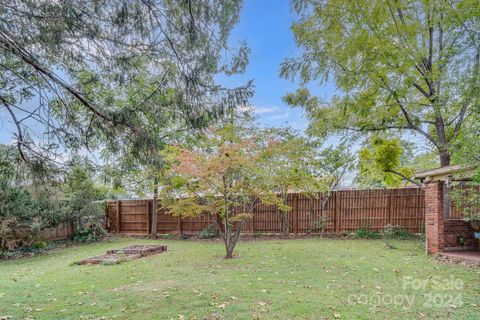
column 119, row 208
column 337, row 212
column 107, row 216
column 295, row 207
column 149, row 213
column 390, row 208
column 252, row 228
column 179, row 227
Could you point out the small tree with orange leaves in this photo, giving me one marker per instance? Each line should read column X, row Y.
column 221, row 175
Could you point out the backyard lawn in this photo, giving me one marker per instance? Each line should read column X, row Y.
column 274, row 279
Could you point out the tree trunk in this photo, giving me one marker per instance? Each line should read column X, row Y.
column 153, row 234
column 284, row 217
column 227, row 231
column 285, row 223
column 444, row 157
column 323, row 218
column 229, row 254
column 226, row 237
column 232, row 241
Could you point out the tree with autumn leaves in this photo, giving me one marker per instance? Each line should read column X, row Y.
column 235, row 166
column 221, row 175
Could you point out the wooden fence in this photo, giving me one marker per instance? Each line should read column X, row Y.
column 346, row 211
column 61, row 232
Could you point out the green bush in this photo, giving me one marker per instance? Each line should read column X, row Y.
column 41, row 245
column 209, row 232
column 15, row 202
column 84, row 235
column 462, row 241
column 396, row 232
column 319, row 225
column 91, row 227
column 35, row 196
column 365, row 233
column 48, row 208
column 15, row 234
column 83, row 207
column 27, row 203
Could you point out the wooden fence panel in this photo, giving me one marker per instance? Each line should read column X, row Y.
column 133, row 215
column 471, row 192
column 409, row 209
column 192, row 225
column 111, row 221
column 166, row 223
column 344, row 211
column 61, row 232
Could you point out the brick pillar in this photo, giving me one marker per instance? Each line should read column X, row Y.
column 434, row 216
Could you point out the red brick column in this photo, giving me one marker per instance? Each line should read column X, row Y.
column 434, row 219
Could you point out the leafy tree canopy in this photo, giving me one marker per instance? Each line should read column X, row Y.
column 390, row 162
column 83, row 73
column 409, row 65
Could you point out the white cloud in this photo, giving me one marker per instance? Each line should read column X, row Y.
column 259, row 109
column 284, row 115
column 263, row 110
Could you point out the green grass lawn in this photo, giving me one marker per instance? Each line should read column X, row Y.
column 276, row 279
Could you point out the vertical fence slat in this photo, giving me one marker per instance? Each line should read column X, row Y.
column 119, row 208
column 337, row 212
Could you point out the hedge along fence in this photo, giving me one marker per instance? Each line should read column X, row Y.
column 346, row 211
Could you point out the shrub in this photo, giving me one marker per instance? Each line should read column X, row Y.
column 48, row 209
column 15, row 234
column 15, row 202
column 462, row 241
column 319, row 225
column 396, row 232
column 26, row 191
column 84, row 235
column 365, row 233
column 40, row 245
column 90, row 229
column 209, row 232
column 83, row 206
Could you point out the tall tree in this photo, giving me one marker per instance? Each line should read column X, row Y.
column 71, row 70
column 405, row 65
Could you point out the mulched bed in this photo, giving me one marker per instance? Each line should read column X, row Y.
column 457, row 261
column 116, row 256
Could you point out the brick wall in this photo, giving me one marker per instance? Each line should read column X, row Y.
column 442, row 234
column 434, row 221
column 455, row 228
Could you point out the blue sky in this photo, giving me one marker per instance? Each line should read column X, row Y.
column 265, row 25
